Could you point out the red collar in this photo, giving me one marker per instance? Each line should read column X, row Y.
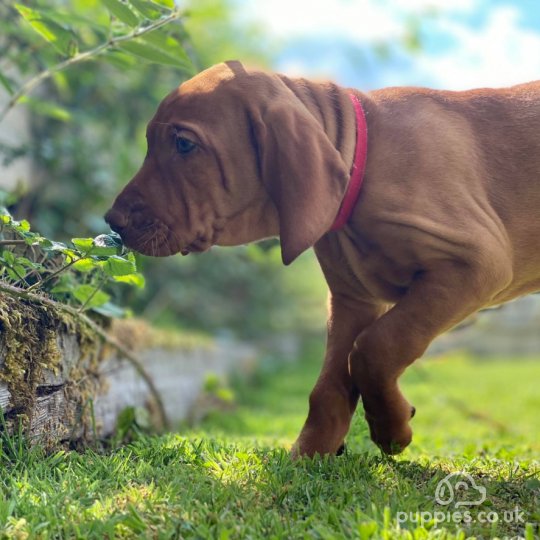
column 358, row 168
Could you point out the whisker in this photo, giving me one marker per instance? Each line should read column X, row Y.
column 176, row 239
column 145, row 239
column 169, row 246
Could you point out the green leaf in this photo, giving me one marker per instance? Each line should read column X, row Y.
column 8, row 257
column 83, row 244
column 103, row 251
column 46, row 108
column 85, row 265
column 89, row 246
column 59, row 37
column 12, row 274
column 120, row 59
column 71, row 19
column 121, row 11
column 56, row 247
column 108, row 309
column 6, row 83
column 165, row 3
column 168, row 45
column 152, row 53
column 118, row 266
column 41, row 241
column 64, row 285
column 87, row 293
column 146, row 9
column 136, row 280
column 23, row 226
column 27, row 263
column 32, row 238
column 19, row 270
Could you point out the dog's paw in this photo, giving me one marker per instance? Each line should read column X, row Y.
column 391, row 440
column 392, row 433
column 306, row 448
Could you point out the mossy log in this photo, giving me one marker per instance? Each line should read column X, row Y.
column 61, row 383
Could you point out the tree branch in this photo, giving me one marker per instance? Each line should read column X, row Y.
column 12, row 242
column 29, row 85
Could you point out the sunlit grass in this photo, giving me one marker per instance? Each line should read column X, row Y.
column 463, row 406
column 231, row 476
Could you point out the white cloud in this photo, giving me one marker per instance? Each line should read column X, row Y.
column 499, row 54
column 442, row 5
column 358, row 20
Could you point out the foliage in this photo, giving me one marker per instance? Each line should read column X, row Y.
column 74, row 111
column 92, row 263
column 77, row 273
column 139, row 37
column 228, row 480
column 88, row 125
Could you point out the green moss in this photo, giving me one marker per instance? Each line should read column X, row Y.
column 29, row 346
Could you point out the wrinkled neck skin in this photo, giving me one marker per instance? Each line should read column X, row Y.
column 258, row 222
column 331, row 106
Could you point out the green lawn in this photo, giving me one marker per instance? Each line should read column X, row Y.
column 231, row 477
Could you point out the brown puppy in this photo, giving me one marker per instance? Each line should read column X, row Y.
column 447, row 221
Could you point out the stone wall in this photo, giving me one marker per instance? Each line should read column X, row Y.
column 86, row 392
column 511, row 330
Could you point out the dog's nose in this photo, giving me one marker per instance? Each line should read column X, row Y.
column 117, row 220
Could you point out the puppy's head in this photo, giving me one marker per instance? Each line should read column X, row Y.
column 233, row 157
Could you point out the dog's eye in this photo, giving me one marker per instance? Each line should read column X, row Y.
column 184, row 146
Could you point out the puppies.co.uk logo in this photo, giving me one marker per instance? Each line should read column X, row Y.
column 460, row 490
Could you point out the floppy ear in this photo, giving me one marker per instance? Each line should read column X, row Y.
column 302, row 171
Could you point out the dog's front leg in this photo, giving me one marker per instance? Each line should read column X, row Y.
column 334, row 397
column 436, row 301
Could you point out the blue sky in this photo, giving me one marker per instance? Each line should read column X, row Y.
column 463, row 43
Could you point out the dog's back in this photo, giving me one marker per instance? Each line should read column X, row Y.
column 478, row 155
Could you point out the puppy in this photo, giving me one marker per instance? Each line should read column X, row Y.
column 422, row 207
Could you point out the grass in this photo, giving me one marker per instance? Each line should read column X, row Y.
column 231, row 477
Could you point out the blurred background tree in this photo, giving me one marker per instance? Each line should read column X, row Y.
column 87, row 127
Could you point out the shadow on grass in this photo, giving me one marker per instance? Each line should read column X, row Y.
column 263, row 493
column 207, row 488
